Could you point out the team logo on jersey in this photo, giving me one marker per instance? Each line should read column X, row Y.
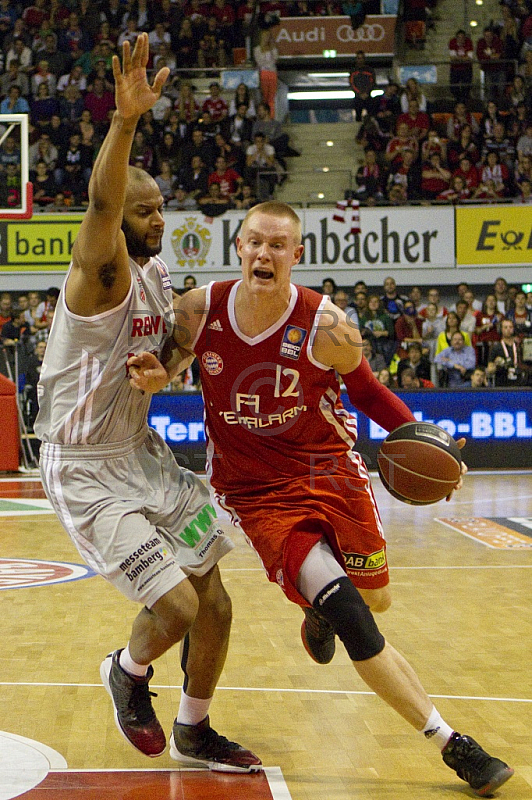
column 293, row 340
column 212, row 362
column 163, row 272
column 215, row 326
column 191, row 243
column 141, row 289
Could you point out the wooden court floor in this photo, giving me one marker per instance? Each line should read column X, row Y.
column 461, row 615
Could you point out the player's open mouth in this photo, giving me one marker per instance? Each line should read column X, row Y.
column 263, row 274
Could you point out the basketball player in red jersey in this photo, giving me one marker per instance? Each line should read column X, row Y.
column 281, row 460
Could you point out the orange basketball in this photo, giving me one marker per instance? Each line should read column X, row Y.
column 419, row 463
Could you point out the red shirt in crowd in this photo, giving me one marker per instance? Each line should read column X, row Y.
column 457, row 50
column 417, row 125
column 471, row 177
column 216, row 107
column 228, row 181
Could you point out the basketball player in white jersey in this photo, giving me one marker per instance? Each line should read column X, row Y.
column 139, row 520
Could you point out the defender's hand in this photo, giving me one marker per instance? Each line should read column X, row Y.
column 133, row 93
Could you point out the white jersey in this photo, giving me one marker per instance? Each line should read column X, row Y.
column 85, row 396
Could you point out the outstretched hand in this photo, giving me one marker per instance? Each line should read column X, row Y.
column 146, row 373
column 133, row 93
column 460, row 442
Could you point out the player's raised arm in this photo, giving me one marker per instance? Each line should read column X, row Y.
column 339, row 345
column 100, row 276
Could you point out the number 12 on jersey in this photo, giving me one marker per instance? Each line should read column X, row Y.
column 292, row 375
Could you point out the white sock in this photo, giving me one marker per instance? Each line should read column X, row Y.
column 192, row 709
column 437, row 729
column 130, row 666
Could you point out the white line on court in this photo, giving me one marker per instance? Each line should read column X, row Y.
column 277, row 690
column 274, row 776
column 21, row 479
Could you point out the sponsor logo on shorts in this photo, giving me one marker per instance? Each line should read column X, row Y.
column 197, row 529
column 153, row 575
column 357, row 561
column 432, row 732
column 293, row 340
column 279, row 577
column 212, row 362
column 210, row 541
column 139, row 560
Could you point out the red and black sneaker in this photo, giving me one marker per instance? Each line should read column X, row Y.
column 318, row 636
column 472, row 764
column 200, row 744
column 134, row 714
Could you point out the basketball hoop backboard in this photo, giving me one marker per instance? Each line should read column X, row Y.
column 16, row 192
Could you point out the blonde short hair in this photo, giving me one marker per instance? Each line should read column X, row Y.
column 274, row 208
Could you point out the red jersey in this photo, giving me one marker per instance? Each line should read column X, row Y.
column 224, row 15
column 461, row 50
column 419, row 123
column 396, row 146
column 470, row 177
column 228, row 181
column 216, row 107
column 274, row 389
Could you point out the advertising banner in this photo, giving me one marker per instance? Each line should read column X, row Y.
column 496, row 424
column 310, row 36
column 493, row 235
column 43, row 243
column 390, row 237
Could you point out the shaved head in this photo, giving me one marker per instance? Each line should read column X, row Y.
column 274, row 208
column 138, row 178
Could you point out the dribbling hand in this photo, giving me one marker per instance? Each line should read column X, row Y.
column 133, row 93
column 463, row 469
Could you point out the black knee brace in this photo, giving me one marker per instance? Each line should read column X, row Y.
column 342, row 605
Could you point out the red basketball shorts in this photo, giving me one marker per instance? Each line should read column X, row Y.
column 283, row 522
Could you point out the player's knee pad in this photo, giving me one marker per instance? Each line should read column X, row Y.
column 342, row 605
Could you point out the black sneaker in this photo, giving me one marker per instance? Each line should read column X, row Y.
column 472, row 764
column 134, row 714
column 318, row 636
column 200, row 744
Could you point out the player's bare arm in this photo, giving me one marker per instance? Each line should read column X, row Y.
column 100, row 275
column 190, row 311
column 149, row 374
column 338, row 343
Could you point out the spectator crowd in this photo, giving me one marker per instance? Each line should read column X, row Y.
column 480, row 152
column 213, row 152
column 414, row 341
